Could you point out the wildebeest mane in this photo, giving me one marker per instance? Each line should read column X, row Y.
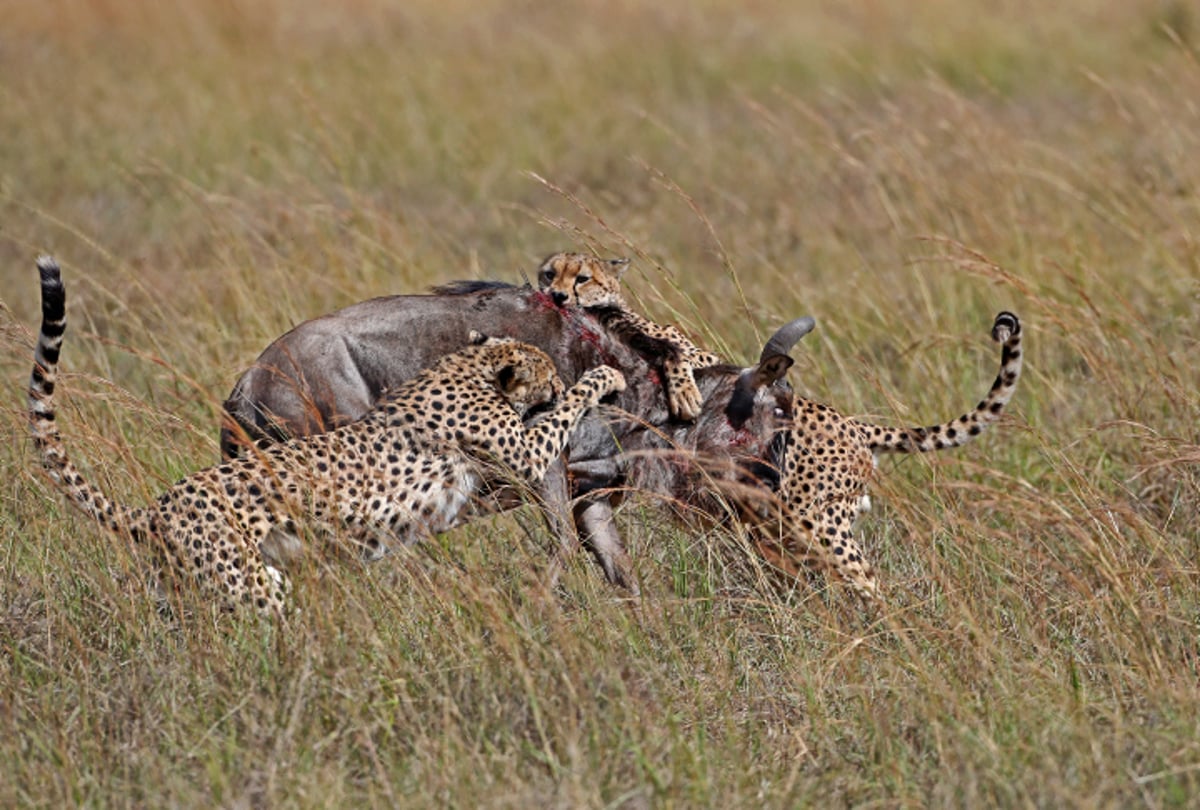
column 472, row 286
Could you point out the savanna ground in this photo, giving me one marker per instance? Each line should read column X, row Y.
column 212, row 173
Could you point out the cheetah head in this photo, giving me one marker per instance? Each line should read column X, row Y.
column 525, row 374
column 581, row 280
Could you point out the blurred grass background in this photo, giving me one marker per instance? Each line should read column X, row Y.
column 212, row 173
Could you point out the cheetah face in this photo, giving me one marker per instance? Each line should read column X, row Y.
column 577, row 279
column 528, row 380
column 525, row 375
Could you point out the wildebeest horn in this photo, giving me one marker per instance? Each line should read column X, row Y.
column 786, row 337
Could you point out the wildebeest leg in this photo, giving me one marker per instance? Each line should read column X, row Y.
column 594, row 517
column 555, row 496
column 594, row 520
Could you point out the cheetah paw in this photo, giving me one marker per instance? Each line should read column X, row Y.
column 684, row 400
column 609, row 379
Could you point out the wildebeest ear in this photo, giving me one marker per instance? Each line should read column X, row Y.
column 770, row 370
column 477, row 338
column 767, row 372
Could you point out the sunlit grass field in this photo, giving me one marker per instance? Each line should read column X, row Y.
column 212, row 173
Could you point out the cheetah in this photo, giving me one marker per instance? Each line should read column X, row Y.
column 827, row 459
column 576, row 279
column 406, row 468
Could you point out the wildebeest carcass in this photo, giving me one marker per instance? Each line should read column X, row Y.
column 332, row 369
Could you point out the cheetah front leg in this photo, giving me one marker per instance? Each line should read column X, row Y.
column 538, row 446
column 683, row 395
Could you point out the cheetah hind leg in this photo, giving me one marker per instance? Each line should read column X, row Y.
column 370, row 543
column 829, row 527
column 845, row 557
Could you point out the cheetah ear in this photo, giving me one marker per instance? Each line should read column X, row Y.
column 477, row 338
column 618, row 266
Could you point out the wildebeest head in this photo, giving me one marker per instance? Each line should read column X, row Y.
column 773, row 364
column 728, row 459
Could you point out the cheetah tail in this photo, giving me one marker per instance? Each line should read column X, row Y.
column 46, row 438
column 1007, row 332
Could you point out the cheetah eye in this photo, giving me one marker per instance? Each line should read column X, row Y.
column 583, row 278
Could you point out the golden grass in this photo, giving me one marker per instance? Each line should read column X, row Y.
column 211, row 174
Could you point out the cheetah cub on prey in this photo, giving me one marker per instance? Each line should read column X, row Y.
column 595, row 284
column 406, row 468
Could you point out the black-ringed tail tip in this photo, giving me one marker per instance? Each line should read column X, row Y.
column 49, row 270
column 1007, row 326
column 54, row 324
column 53, row 296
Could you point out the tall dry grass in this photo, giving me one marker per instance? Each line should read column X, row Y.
column 211, row 174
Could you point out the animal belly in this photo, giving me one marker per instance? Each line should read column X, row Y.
column 445, row 502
